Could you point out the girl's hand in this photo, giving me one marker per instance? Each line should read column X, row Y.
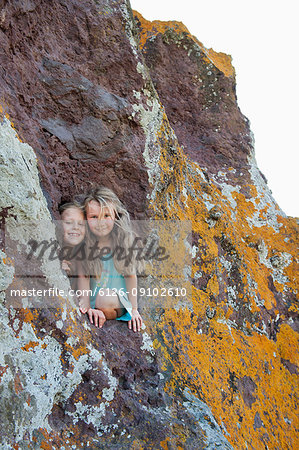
column 97, row 317
column 136, row 321
column 66, row 265
column 84, row 305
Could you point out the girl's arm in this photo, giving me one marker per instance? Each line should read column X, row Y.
column 95, row 315
column 131, row 285
column 83, row 287
column 66, row 265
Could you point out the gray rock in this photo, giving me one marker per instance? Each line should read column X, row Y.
column 205, row 420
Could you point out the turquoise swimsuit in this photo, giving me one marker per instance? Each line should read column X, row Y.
column 113, row 280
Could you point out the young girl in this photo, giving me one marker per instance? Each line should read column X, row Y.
column 73, row 231
column 113, row 285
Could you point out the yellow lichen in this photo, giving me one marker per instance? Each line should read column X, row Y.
column 30, row 345
column 151, row 28
column 213, row 363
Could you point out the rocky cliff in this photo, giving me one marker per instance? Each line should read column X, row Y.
column 93, row 93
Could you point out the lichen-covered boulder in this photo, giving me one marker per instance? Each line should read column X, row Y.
column 94, row 93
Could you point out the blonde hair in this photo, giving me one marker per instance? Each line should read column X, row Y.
column 122, row 232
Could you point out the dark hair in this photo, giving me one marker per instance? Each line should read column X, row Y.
column 64, row 206
column 67, row 205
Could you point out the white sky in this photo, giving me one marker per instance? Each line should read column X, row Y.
column 262, row 38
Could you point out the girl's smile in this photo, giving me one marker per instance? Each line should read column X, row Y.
column 73, row 225
column 100, row 218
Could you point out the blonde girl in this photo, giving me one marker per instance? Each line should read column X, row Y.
column 112, row 282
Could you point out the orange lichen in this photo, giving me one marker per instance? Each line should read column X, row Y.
column 5, row 114
column 214, row 363
column 3, row 370
column 17, row 384
column 30, row 345
column 213, row 286
column 151, row 28
column 222, row 61
column 205, row 363
column 164, row 444
column 137, row 445
column 287, row 341
column 6, row 260
column 77, row 352
column 46, row 446
column 29, row 315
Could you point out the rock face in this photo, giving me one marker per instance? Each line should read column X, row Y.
column 93, row 93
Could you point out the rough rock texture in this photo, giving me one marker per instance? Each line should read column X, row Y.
column 96, row 96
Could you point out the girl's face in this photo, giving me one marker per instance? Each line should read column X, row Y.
column 73, row 225
column 100, row 218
